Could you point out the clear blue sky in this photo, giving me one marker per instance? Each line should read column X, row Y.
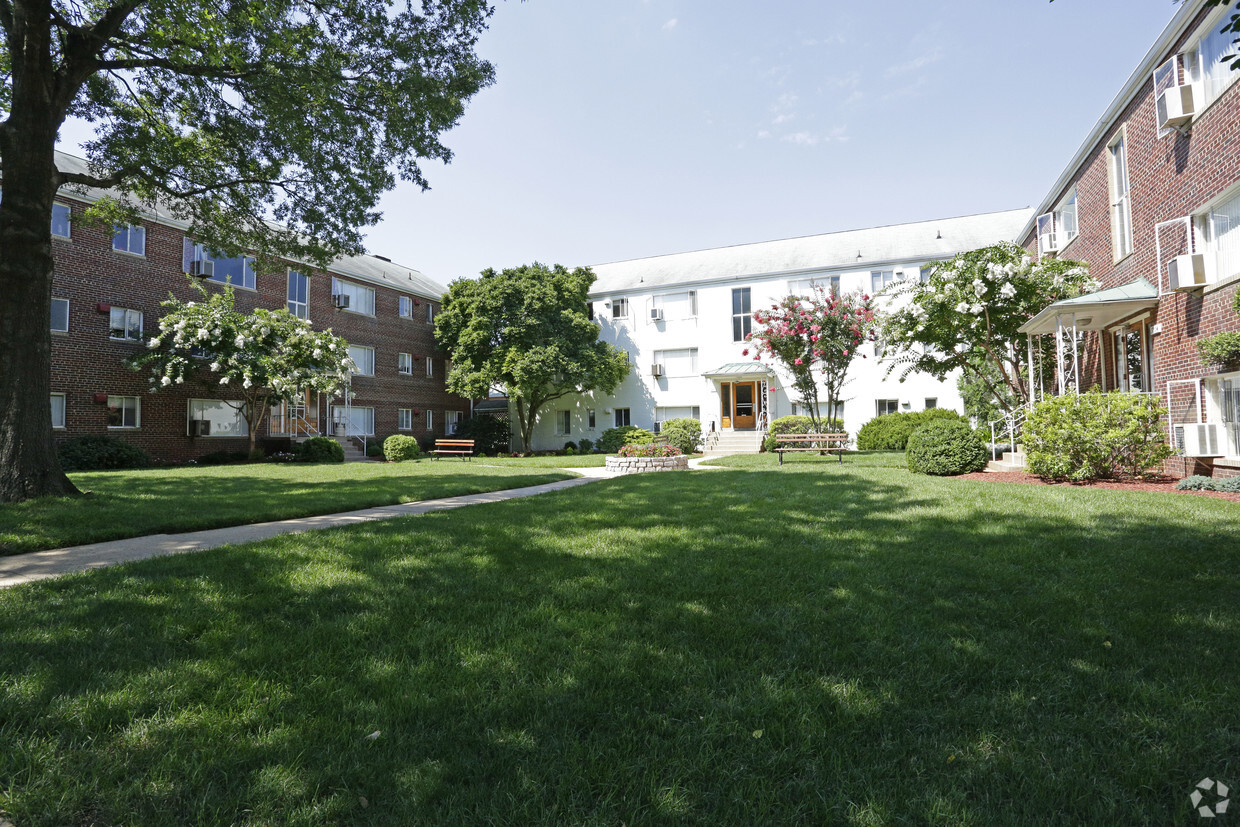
column 626, row 128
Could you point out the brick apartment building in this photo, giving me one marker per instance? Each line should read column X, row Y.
column 107, row 290
column 1151, row 201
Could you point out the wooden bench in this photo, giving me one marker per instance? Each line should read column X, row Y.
column 820, row 443
column 464, row 448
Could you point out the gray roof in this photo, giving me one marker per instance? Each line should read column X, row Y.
column 1106, row 308
column 364, row 267
column 849, row 250
column 740, row 369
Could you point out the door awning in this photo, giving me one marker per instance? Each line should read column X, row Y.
column 750, row 368
column 1095, row 311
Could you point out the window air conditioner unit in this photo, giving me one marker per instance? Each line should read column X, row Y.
column 656, row 314
column 1192, row 270
column 202, row 269
column 656, row 370
column 341, row 301
column 200, row 427
column 1175, row 107
column 1197, row 440
column 1047, row 241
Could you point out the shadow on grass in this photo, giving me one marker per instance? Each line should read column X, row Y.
column 760, row 647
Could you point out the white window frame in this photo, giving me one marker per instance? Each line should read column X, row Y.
column 300, row 309
column 1226, row 245
column 127, row 311
column 354, row 291
column 359, row 371
column 620, row 307
column 1210, row 86
column 563, row 422
column 451, row 421
column 192, row 252
column 64, row 402
column 137, row 413
column 404, row 364
column 880, row 280
column 742, row 320
column 1120, row 195
column 430, row 365
column 65, row 329
column 690, row 354
column 68, row 220
column 622, row 413
column 684, row 301
column 893, row 406
column 205, row 408
column 430, row 420
column 404, row 419
column 1216, row 413
column 406, row 307
column 430, row 313
column 130, row 232
column 591, row 420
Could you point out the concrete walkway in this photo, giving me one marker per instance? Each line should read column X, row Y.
column 40, row 565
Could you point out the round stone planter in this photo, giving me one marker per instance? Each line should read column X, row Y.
column 643, row 465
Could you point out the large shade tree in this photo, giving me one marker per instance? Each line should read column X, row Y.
column 226, row 115
column 526, row 331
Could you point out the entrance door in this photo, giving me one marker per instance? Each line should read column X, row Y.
column 745, row 414
column 725, row 404
column 300, row 418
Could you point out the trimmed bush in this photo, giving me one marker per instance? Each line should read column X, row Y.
column 399, row 448
column 491, row 434
column 375, row 449
column 650, row 449
column 685, row 433
column 586, row 445
column 945, row 448
column 1095, row 435
column 613, row 438
column 570, row 447
column 100, row 453
column 797, row 424
column 890, row 432
column 320, row 449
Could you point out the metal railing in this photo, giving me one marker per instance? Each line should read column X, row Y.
column 1010, row 424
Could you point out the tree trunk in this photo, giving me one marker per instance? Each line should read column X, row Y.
column 29, row 466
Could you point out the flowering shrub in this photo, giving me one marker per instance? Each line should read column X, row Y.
column 650, row 449
column 822, row 332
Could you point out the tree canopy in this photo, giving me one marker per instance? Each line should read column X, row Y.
column 526, row 331
column 226, row 117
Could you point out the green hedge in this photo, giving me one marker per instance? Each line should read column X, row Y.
column 890, row 432
column 945, row 448
column 399, row 448
column 100, row 453
column 797, row 424
column 491, row 434
column 685, row 433
column 1095, row 435
column 320, row 449
column 614, row 438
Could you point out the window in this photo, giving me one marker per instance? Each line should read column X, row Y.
column 126, row 324
column 622, row 417
column 804, row 287
column 887, row 406
column 61, row 217
column 663, row 414
column 620, row 308
column 451, row 419
column 129, row 238
column 430, row 313
column 678, row 362
column 361, row 299
column 1207, row 63
column 430, row 366
column 430, row 420
column 404, row 419
column 931, row 403
column 590, row 420
column 1057, row 229
column 406, row 307
column 353, row 421
column 124, row 411
column 404, row 363
column 58, row 410
column 1133, row 346
column 1223, row 405
column 1218, row 229
column 299, row 294
column 60, row 315
column 225, row 417
column 1121, row 207
column 880, row 279
column 676, row 305
column 563, row 423
column 742, row 321
column 237, row 271
column 364, row 358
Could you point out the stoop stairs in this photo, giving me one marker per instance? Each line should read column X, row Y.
column 723, row 443
column 1012, row 461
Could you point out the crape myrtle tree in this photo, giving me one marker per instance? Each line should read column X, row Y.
column 815, row 338
column 525, row 331
column 261, row 358
column 966, row 316
column 226, row 116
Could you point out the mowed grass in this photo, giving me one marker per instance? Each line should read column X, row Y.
column 814, row 644
column 121, row 504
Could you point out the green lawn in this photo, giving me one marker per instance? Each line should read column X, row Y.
column 154, row 501
column 813, row 644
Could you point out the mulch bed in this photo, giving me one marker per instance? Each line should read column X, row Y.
column 1159, row 484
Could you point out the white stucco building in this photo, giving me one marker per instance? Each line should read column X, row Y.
column 683, row 319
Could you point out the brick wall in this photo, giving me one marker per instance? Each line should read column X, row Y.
column 85, row 361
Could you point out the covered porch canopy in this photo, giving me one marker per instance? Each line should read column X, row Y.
column 1068, row 318
column 750, row 368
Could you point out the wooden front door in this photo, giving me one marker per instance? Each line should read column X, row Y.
column 744, row 405
column 725, row 404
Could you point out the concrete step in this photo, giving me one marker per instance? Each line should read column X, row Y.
column 1012, row 461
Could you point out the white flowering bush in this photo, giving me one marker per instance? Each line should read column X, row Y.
column 967, row 315
column 261, row 358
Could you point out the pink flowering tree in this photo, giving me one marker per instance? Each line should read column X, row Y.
column 815, row 338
